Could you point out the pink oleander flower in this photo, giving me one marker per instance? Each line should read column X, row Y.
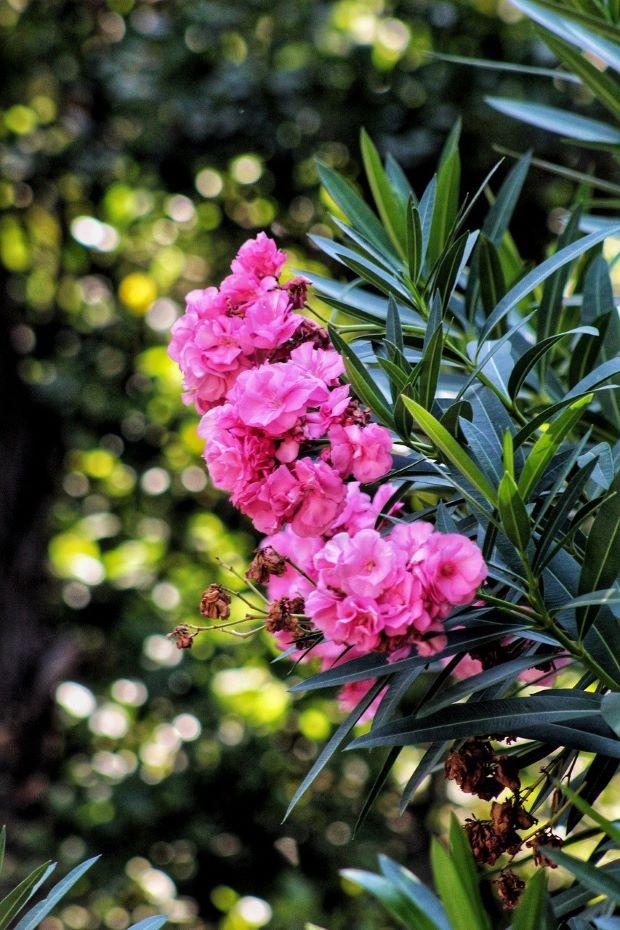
column 321, row 497
column 324, row 364
column 402, row 606
column 363, row 451
column 237, row 458
column 267, row 322
column 301, row 549
column 206, row 349
column 260, row 257
column 360, row 511
column 352, row 620
column 274, row 398
column 454, row 569
column 362, row 564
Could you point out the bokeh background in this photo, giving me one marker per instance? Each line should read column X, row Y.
column 140, row 143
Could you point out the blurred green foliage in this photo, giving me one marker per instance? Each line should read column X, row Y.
column 140, row 143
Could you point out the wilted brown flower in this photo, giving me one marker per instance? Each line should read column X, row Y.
column 510, row 816
column 544, row 837
column 486, row 845
column 509, row 888
column 280, row 615
column 507, row 773
column 297, row 289
column 215, row 603
column 473, row 767
column 266, row 562
column 182, row 636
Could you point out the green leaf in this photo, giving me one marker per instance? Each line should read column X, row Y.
column 354, row 208
column 526, row 362
column 602, row 556
column 2, row 847
column 430, row 365
column 490, row 275
column 610, row 709
column 415, row 891
column 376, row 666
column 454, row 893
column 450, row 449
column 562, row 122
column 598, row 881
column 447, row 194
column 150, row 923
column 415, row 241
column 336, row 740
column 402, row 909
column 465, row 865
column 580, row 30
column 361, row 382
column 388, row 204
column 561, row 511
column 393, row 325
column 485, row 450
column 35, row 916
column 451, row 266
column 500, row 214
column 15, row 899
column 530, row 914
column 509, row 715
column 550, row 309
column 598, row 295
column 514, row 516
column 543, row 416
column 545, row 447
column 610, row 829
column 602, row 85
column 483, row 680
column 539, row 274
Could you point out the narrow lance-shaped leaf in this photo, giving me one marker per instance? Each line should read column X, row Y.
column 550, row 309
column 545, row 447
column 530, row 914
column 446, row 200
column 449, row 448
column 415, row 242
column 462, row 912
column 569, row 125
column 531, row 356
column 598, row 881
column 388, row 205
column 602, row 556
column 603, row 86
column 535, row 277
column 353, row 207
column 515, row 519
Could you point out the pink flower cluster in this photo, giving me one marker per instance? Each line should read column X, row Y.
column 385, row 592
column 366, row 591
column 285, row 438
column 282, row 432
column 229, row 329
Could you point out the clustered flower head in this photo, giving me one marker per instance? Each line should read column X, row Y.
column 286, row 439
column 282, row 432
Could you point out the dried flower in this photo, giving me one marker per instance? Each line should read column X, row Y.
column 486, row 845
column 215, row 603
column 510, row 816
column 507, row 773
column 509, row 888
column 472, row 767
column 280, row 615
column 544, row 837
column 266, row 562
column 182, row 636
